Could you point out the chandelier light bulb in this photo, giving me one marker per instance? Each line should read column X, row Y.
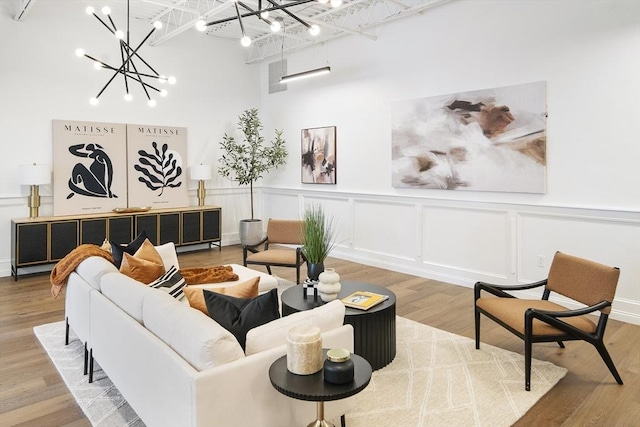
column 157, row 24
column 275, row 26
column 314, row 30
column 151, row 103
column 120, row 34
column 245, row 41
column 128, row 97
column 201, row 25
column 164, row 93
column 90, row 10
column 171, row 80
column 106, row 10
column 93, row 101
column 162, row 79
column 264, row 15
column 336, row 3
column 97, row 65
column 79, row 52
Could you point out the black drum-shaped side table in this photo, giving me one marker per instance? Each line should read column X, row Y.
column 315, row 389
column 374, row 330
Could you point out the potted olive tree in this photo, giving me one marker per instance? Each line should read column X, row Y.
column 319, row 238
column 247, row 161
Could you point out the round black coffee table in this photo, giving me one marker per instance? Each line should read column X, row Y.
column 374, row 330
column 315, row 389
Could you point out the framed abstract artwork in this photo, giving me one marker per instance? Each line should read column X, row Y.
column 319, row 155
column 485, row 140
column 157, row 168
column 89, row 167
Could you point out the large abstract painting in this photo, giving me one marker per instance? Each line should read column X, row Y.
column 486, row 140
column 319, row 155
column 90, row 167
column 157, row 169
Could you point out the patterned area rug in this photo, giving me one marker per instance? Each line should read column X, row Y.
column 436, row 379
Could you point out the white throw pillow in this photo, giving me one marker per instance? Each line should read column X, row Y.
column 273, row 334
column 197, row 338
column 169, row 256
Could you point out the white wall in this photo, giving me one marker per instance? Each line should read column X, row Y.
column 41, row 79
column 588, row 52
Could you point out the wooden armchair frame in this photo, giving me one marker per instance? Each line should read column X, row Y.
column 279, row 231
column 558, row 319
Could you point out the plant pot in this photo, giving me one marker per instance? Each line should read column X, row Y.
column 314, row 270
column 250, row 231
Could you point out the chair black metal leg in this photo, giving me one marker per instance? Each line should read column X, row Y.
column 298, row 276
column 561, row 344
column 607, row 359
column 477, row 329
column 268, row 269
column 527, row 364
column 91, row 366
column 86, row 359
column 66, row 331
column 343, row 422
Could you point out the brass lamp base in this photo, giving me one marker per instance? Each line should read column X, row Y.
column 202, row 193
column 34, row 201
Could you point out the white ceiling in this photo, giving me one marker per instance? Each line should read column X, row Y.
column 357, row 17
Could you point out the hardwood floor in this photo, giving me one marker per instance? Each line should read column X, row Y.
column 33, row 394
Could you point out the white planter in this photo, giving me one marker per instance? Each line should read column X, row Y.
column 250, row 231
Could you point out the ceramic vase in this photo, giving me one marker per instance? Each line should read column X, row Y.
column 329, row 284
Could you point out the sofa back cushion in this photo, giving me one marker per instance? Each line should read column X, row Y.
column 326, row 317
column 93, row 268
column 126, row 293
column 199, row 340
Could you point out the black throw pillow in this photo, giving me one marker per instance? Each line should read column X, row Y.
column 117, row 250
column 239, row 315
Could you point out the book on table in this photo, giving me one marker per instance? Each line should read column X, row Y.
column 364, row 300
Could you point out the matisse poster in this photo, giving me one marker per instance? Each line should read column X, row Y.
column 485, row 140
column 89, row 167
column 157, row 166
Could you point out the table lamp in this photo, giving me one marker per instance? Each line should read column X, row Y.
column 201, row 173
column 34, row 175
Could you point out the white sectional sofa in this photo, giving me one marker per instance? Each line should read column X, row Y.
column 178, row 367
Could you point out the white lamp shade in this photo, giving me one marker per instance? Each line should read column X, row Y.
column 201, row 172
column 35, row 174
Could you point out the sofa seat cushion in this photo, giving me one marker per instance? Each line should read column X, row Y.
column 126, row 293
column 199, row 340
column 239, row 315
column 273, row 334
column 93, row 268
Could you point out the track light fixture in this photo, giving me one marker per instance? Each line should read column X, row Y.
column 303, row 75
column 130, row 70
column 263, row 13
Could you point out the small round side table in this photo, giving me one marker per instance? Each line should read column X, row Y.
column 315, row 389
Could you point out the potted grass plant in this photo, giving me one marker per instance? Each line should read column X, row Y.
column 319, row 239
column 247, row 161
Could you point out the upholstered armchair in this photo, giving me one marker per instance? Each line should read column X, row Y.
column 279, row 232
column 581, row 280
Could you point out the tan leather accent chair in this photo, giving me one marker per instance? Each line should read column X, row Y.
column 279, row 232
column 587, row 282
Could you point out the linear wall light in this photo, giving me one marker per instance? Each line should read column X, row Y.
column 303, row 75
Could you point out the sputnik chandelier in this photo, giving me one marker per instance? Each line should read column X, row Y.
column 262, row 13
column 132, row 72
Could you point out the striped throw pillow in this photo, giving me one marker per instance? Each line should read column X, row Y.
column 171, row 282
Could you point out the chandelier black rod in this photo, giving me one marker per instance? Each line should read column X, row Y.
column 126, row 62
column 290, row 14
column 257, row 12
